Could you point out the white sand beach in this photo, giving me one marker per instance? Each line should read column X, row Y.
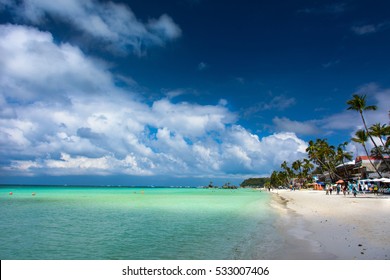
column 320, row 226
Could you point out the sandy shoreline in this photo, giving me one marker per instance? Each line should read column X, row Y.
column 319, row 226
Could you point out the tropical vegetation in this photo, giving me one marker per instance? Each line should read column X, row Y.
column 325, row 158
column 358, row 103
column 255, row 182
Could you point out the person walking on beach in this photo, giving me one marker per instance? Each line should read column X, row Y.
column 375, row 189
column 354, row 191
column 350, row 185
column 345, row 190
column 330, row 190
column 327, row 189
column 354, row 185
column 338, row 188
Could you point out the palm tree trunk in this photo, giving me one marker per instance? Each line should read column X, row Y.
column 334, row 172
column 383, row 143
column 329, row 169
column 377, row 171
column 345, row 169
column 373, row 142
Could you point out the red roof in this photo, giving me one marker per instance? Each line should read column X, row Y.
column 360, row 158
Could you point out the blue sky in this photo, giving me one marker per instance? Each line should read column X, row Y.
column 182, row 92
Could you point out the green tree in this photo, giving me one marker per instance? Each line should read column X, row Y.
column 362, row 138
column 255, row 182
column 307, row 167
column 297, row 166
column 324, row 156
column 358, row 103
column 379, row 131
column 289, row 172
column 279, row 178
column 274, row 180
column 342, row 155
column 312, row 151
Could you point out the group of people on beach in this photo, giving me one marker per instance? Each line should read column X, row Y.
column 338, row 188
column 350, row 187
column 329, row 189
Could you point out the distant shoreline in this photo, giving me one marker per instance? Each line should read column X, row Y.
column 320, row 226
column 124, row 186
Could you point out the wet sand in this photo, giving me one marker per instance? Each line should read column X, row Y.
column 325, row 227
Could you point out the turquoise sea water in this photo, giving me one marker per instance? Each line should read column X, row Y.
column 42, row 222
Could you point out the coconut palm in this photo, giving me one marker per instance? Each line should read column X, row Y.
column 307, row 167
column 274, row 180
column 303, row 168
column 379, row 131
column 313, row 153
column 289, row 172
column 361, row 138
column 297, row 166
column 278, row 178
column 324, row 155
column 376, row 152
column 387, row 134
column 341, row 155
column 358, row 103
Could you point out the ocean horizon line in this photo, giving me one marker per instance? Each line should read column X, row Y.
column 99, row 186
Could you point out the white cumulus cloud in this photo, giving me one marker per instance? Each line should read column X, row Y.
column 109, row 22
column 61, row 113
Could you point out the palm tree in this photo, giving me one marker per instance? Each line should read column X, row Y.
column 342, row 154
column 307, row 166
column 376, row 152
column 287, row 170
column 387, row 143
column 361, row 138
column 312, row 151
column 278, row 178
column 274, row 179
column 387, row 133
column 297, row 166
column 379, row 130
column 324, row 156
column 358, row 103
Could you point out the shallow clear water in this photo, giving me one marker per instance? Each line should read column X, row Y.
column 134, row 223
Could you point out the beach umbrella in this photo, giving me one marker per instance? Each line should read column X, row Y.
column 340, row 182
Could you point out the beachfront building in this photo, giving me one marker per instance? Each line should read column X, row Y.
column 347, row 170
column 344, row 171
column 365, row 169
column 362, row 168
